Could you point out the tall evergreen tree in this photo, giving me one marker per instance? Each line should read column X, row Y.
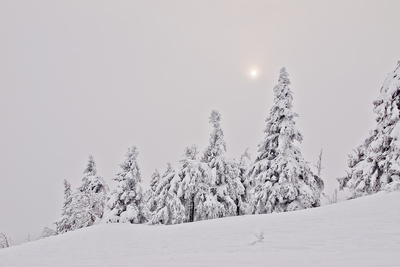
column 95, row 188
column 375, row 164
column 65, row 224
column 283, row 179
column 126, row 203
column 217, row 145
column 155, row 179
column 228, row 187
column 245, row 199
column 151, row 193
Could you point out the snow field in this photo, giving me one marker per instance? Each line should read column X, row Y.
column 359, row 232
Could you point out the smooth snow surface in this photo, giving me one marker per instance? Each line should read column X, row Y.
column 360, row 232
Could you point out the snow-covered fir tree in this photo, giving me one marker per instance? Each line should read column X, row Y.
column 95, row 188
column 85, row 206
column 228, row 186
column 150, row 194
column 283, row 180
column 66, row 224
column 4, row 241
column 155, row 179
column 217, row 145
column 194, row 184
column 92, row 182
column 375, row 164
column 231, row 189
column 82, row 211
column 126, row 203
column 169, row 208
column 245, row 199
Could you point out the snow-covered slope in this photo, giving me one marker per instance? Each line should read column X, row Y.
column 360, row 232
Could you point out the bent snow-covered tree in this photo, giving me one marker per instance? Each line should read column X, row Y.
column 169, row 208
column 283, row 180
column 85, row 206
column 226, row 173
column 150, row 194
column 47, row 232
column 95, row 188
column 375, row 164
column 193, row 186
column 126, row 203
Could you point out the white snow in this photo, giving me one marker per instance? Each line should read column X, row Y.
column 360, row 232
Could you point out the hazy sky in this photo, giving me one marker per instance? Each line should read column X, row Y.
column 95, row 77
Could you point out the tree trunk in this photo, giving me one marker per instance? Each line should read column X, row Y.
column 191, row 209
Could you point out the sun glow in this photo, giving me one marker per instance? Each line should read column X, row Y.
column 254, row 73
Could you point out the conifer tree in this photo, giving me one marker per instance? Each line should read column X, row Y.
column 85, row 206
column 375, row 164
column 245, row 199
column 126, row 203
column 151, row 193
column 4, row 241
column 231, row 191
column 195, row 182
column 91, row 182
column 95, row 189
column 217, row 145
column 283, row 179
column 155, row 179
column 82, row 211
column 228, row 187
column 169, row 208
column 65, row 224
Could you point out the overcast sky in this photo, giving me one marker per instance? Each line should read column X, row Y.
column 95, row 77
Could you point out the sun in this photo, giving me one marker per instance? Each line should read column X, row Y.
column 254, row 73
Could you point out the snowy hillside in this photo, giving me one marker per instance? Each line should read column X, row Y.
column 359, row 232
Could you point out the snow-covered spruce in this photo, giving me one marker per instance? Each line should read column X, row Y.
column 217, row 145
column 66, row 224
column 228, row 186
column 126, row 203
column 4, row 241
column 85, row 206
column 245, row 199
column 150, row 195
column 375, row 164
column 185, row 194
column 283, row 180
column 169, row 208
column 95, row 188
column 194, row 183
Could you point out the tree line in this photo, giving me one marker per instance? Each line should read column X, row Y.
column 210, row 185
